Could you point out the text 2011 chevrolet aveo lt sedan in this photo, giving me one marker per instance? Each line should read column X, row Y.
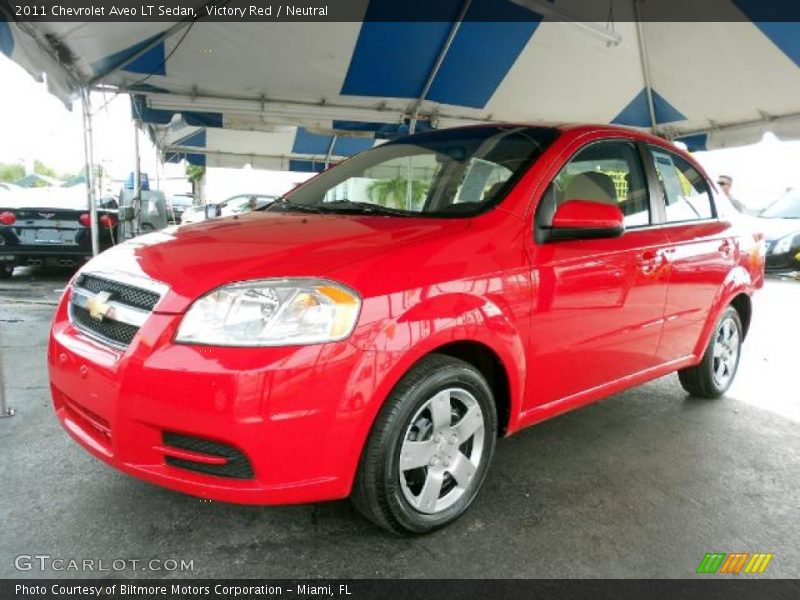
column 373, row 334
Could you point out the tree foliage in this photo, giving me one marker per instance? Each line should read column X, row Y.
column 11, row 172
column 195, row 172
column 393, row 193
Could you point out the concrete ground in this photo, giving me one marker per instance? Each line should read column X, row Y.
column 640, row 485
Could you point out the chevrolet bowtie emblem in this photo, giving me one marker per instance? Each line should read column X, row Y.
column 97, row 305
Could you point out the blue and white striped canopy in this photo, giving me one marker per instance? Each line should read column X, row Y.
column 282, row 93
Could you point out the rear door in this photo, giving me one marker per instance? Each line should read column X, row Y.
column 598, row 303
column 702, row 250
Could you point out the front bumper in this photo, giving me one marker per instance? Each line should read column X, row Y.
column 298, row 414
column 784, row 263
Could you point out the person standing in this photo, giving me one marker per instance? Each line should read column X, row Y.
column 725, row 182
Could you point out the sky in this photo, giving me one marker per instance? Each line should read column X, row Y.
column 36, row 125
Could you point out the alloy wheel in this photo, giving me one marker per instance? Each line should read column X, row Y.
column 726, row 352
column 441, row 450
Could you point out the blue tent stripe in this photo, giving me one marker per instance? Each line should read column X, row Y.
column 306, row 166
column 637, row 112
column 195, row 140
column 695, row 143
column 145, row 114
column 306, row 142
column 348, row 146
column 393, row 59
column 202, row 119
column 775, row 22
column 151, row 62
column 785, row 36
column 488, row 43
column 6, row 39
column 198, row 160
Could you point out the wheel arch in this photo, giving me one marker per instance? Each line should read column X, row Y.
column 744, row 306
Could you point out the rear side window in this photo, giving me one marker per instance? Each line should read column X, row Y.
column 685, row 191
column 609, row 172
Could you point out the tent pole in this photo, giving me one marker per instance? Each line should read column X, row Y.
column 137, row 179
column 330, row 152
column 437, row 65
column 645, row 62
column 88, row 152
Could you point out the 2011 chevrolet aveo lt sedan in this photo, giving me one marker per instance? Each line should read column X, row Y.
column 374, row 332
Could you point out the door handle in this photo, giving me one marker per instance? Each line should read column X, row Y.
column 650, row 261
column 726, row 248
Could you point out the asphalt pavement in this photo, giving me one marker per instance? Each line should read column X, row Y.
column 642, row 484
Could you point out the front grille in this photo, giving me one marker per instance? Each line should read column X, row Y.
column 120, row 292
column 114, row 331
column 110, row 310
column 237, row 467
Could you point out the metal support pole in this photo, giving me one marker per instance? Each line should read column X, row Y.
column 437, row 65
column 137, row 181
column 645, row 62
column 5, row 411
column 89, row 154
column 330, row 151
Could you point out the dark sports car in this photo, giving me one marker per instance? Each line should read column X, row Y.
column 49, row 226
column 780, row 222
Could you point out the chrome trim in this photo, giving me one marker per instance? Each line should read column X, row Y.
column 118, row 312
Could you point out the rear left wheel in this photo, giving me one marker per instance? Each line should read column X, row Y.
column 715, row 373
column 429, row 449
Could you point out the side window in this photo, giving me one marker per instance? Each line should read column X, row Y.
column 686, row 196
column 609, row 172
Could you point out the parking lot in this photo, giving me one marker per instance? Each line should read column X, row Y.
column 641, row 485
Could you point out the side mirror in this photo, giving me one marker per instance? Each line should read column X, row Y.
column 586, row 219
column 212, row 211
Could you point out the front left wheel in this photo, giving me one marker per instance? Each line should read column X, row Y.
column 429, row 449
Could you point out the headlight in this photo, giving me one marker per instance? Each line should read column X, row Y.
column 271, row 312
column 784, row 244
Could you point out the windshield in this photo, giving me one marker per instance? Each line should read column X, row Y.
column 442, row 173
column 786, row 207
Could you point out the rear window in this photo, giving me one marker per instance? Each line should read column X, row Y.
column 685, row 191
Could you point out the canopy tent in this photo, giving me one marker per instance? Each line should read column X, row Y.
column 711, row 84
column 279, row 148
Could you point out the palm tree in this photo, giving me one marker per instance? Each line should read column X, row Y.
column 393, row 193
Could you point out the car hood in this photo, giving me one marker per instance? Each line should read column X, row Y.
column 775, row 229
column 193, row 259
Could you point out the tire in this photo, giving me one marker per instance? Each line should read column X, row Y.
column 453, row 455
column 6, row 271
column 716, row 372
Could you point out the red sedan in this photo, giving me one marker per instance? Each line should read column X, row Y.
column 374, row 332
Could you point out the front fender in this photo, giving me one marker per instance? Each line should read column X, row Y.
column 389, row 347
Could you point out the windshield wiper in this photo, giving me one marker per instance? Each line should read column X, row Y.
column 284, row 204
column 363, row 207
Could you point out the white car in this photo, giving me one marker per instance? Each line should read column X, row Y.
column 235, row 205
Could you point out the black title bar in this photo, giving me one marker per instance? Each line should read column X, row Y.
column 709, row 588
column 602, row 11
